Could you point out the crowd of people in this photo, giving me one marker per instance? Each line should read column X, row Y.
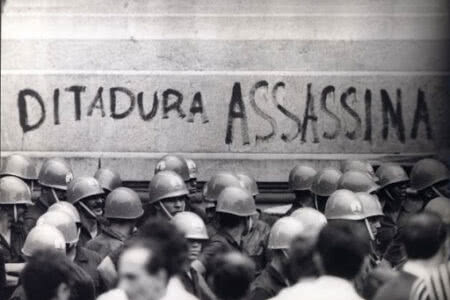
column 357, row 232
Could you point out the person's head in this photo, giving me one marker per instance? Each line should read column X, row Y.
column 372, row 211
column 358, row 181
column 108, row 179
column 151, row 259
column 43, row 237
column 324, row 184
column 86, row 194
column 49, row 275
column 342, row 250
column 430, row 178
column 65, row 223
column 168, row 194
column 19, row 166
column 192, row 182
column 235, row 206
column 123, row 208
column 302, row 261
column 15, row 196
column 194, row 230
column 424, row 237
column 394, row 182
column 54, row 177
column 231, row 276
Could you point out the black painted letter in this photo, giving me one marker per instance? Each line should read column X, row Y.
column 421, row 115
column 112, row 92
column 396, row 116
column 236, row 110
column 23, row 113
column 174, row 106
column 323, row 103
column 77, row 90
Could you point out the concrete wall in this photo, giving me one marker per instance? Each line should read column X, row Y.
column 255, row 85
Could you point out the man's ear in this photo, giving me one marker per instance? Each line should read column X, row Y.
column 62, row 292
column 162, row 275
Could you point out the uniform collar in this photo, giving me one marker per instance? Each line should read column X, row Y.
column 116, row 235
column 277, row 276
column 81, row 255
column 229, row 239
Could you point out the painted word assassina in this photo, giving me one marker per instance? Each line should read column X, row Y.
column 350, row 112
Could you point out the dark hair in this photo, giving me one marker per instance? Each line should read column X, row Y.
column 423, row 235
column 47, row 269
column 342, row 249
column 229, row 220
column 301, row 259
column 168, row 246
column 232, row 275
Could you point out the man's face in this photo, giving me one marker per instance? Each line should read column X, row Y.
column 95, row 204
column 398, row 191
column 195, row 247
column 174, row 205
column 134, row 278
column 375, row 224
column 20, row 212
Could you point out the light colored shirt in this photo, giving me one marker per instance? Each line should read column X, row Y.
column 322, row 288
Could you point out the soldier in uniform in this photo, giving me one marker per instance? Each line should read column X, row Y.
column 86, row 194
column 54, row 176
column 15, row 196
column 275, row 275
column 235, row 206
column 108, row 179
column 300, row 181
column 194, row 230
column 123, row 208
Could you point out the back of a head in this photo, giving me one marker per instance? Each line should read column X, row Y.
column 301, row 259
column 47, row 269
column 342, row 250
column 166, row 237
column 423, row 235
column 232, row 275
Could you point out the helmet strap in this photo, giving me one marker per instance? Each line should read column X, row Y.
column 32, row 186
column 55, row 196
column 87, row 209
column 15, row 213
column 164, row 209
column 316, row 202
column 372, row 236
column 437, row 191
column 389, row 194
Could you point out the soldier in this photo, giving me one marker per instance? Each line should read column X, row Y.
column 15, row 196
column 69, row 209
column 86, row 194
column 232, row 276
column 357, row 181
column 211, row 191
column 54, row 176
column 373, row 213
column 123, row 208
column 324, row 184
column 20, row 166
column 430, row 178
column 313, row 220
column 255, row 241
column 194, row 230
column 275, row 276
column 300, row 181
column 88, row 260
column 235, row 206
column 167, row 195
column 108, row 179
column 192, row 182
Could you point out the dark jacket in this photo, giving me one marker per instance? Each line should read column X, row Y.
column 267, row 285
column 88, row 261
column 106, row 242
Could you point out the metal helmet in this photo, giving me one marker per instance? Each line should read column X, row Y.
column 108, row 179
column 173, row 163
column 192, row 167
column 427, row 172
column 61, row 221
column 325, row 182
column 370, row 204
column 301, row 177
column 14, row 191
column 123, row 203
column 312, row 219
column 20, row 166
column 283, row 231
column 217, row 183
column 357, row 181
column 390, row 173
column 249, row 183
column 83, row 187
column 166, row 184
column 359, row 165
column 441, row 207
column 344, row 205
column 55, row 173
column 66, row 207
column 236, row 201
column 43, row 237
column 191, row 225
